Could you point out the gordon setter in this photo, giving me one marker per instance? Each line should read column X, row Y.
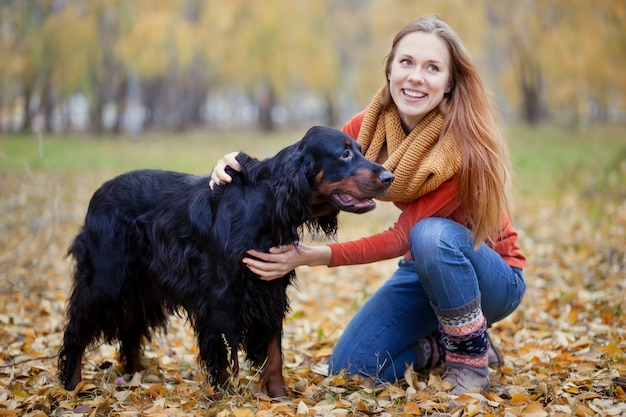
column 155, row 242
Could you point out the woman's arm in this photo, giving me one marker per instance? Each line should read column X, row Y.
column 391, row 243
column 395, row 241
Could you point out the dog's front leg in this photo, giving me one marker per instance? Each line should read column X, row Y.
column 272, row 375
column 70, row 367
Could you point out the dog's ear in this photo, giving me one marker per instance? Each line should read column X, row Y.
column 291, row 195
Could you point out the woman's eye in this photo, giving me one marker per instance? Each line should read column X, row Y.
column 405, row 62
column 432, row 68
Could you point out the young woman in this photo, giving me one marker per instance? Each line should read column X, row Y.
column 433, row 125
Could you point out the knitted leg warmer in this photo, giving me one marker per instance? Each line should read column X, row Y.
column 465, row 337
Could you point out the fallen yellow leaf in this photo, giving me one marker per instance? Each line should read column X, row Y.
column 412, row 408
column 242, row 412
column 519, row 399
column 534, row 409
column 583, row 411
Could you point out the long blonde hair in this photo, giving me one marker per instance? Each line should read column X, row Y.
column 471, row 115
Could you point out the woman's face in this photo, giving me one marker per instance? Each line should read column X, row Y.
column 419, row 76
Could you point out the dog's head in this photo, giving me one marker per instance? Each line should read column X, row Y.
column 328, row 173
column 341, row 178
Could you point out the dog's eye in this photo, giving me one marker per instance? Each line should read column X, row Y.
column 347, row 154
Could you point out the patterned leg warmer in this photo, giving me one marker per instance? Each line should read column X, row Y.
column 464, row 332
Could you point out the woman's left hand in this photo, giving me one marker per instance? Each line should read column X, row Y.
column 283, row 259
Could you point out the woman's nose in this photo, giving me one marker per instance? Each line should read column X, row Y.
column 416, row 75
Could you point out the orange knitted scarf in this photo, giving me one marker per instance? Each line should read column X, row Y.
column 420, row 161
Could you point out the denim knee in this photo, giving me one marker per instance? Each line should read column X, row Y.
column 438, row 249
column 430, row 234
column 454, row 273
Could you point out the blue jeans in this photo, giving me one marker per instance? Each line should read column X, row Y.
column 446, row 272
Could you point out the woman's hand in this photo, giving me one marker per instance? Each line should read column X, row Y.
column 283, row 259
column 219, row 175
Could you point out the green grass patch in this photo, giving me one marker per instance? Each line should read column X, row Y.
column 547, row 160
column 194, row 152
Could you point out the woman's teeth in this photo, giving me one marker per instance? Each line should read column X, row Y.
column 414, row 94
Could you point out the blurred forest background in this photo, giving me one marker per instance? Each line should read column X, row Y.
column 127, row 66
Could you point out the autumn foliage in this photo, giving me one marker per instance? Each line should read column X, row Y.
column 564, row 347
column 560, row 60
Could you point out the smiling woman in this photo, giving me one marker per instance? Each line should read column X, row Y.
column 433, row 126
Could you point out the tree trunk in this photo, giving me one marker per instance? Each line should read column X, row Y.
column 331, row 110
column 47, row 104
column 26, row 121
column 530, row 86
column 265, row 102
column 121, row 100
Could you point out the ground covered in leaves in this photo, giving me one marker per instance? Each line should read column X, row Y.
column 564, row 347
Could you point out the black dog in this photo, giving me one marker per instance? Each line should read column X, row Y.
column 154, row 242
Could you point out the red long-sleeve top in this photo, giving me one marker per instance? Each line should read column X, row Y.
column 394, row 242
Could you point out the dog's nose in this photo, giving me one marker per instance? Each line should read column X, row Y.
column 385, row 177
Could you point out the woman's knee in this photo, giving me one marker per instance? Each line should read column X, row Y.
column 432, row 234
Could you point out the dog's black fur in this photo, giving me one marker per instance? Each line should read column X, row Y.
column 157, row 241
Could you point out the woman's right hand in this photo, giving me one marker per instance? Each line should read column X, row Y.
column 219, row 175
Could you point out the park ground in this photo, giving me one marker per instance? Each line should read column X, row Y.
column 564, row 347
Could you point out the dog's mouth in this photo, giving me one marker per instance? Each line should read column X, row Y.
column 352, row 204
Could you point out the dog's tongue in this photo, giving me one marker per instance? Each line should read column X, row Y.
column 354, row 204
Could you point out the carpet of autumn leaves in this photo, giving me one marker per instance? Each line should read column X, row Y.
column 564, row 347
